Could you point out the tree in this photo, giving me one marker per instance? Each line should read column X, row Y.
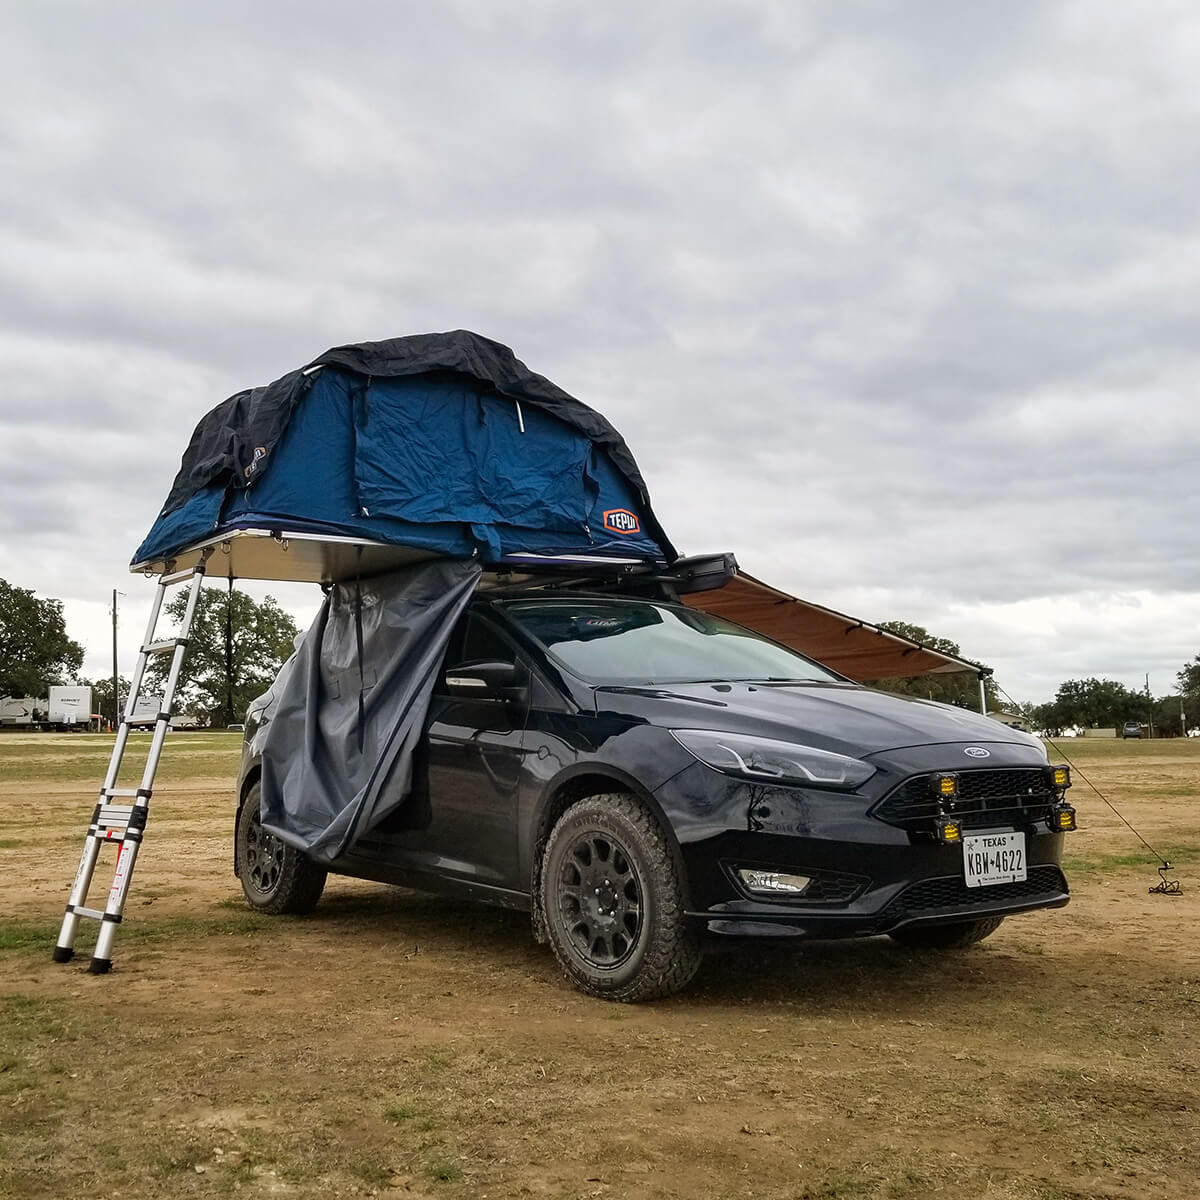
column 1092, row 703
column 960, row 687
column 102, row 697
column 262, row 640
column 1028, row 711
column 1167, row 721
column 1189, row 679
column 35, row 652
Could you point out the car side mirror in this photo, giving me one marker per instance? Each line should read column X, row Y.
column 485, row 681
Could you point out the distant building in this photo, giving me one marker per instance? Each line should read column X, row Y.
column 1012, row 720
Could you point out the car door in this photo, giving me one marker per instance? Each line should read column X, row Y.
column 461, row 821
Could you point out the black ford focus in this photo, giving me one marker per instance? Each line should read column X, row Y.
column 641, row 775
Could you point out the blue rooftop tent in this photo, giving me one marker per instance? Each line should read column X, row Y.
column 384, row 453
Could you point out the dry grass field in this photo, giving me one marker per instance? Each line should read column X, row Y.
column 397, row 1045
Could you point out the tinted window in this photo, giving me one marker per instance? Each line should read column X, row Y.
column 633, row 641
column 474, row 641
column 481, row 643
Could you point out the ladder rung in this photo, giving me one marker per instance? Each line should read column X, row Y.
column 163, row 646
column 92, row 913
column 110, row 792
column 116, row 815
column 179, row 576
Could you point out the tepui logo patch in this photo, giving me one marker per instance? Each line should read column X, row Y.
column 621, row 520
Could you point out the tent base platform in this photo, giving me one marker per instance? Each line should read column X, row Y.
column 280, row 555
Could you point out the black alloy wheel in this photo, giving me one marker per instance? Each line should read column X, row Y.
column 276, row 877
column 264, row 856
column 611, row 897
column 600, row 899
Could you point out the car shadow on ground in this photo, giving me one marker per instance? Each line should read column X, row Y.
column 872, row 977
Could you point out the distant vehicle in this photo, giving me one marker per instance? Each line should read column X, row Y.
column 69, row 707
column 145, row 712
column 147, row 708
column 21, row 710
column 1131, row 729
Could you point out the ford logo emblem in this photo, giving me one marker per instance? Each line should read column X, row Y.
column 977, row 752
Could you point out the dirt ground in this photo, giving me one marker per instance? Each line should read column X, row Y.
column 397, row 1045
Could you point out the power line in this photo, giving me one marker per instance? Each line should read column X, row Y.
column 1167, row 887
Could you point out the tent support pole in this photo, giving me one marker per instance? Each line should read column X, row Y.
column 229, row 714
column 982, row 694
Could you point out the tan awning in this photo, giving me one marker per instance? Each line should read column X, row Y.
column 859, row 650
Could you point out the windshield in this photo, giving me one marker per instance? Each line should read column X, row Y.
column 638, row 642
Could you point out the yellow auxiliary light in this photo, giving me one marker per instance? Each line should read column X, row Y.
column 949, row 830
column 944, row 786
column 1062, row 818
column 1060, row 777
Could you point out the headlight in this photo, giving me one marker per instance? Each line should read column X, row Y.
column 765, row 760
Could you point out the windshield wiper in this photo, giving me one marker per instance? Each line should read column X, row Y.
column 783, row 681
column 658, row 689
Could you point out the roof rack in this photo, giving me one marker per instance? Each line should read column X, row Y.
column 699, row 573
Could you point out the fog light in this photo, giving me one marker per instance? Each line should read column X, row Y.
column 1060, row 777
column 1062, row 818
column 944, row 786
column 772, row 883
column 949, row 830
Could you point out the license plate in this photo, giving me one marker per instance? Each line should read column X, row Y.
column 990, row 858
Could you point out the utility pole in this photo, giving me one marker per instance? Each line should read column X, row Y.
column 1149, row 704
column 116, row 693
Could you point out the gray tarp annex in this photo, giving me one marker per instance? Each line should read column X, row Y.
column 349, row 706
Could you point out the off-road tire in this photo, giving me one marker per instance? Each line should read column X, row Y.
column 655, row 952
column 957, row 936
column 276, row 878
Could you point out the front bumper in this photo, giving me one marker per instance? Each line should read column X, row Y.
column 869, row 877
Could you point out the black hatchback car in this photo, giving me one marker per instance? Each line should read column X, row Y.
column 639, row 774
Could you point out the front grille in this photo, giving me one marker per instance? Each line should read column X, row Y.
column 1013, row 796
column 933, row 896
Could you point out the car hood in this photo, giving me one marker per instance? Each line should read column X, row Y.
column 845, row 718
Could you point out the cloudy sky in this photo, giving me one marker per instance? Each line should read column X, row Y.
column 897, row 300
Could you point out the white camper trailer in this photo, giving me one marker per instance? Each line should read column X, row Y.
column 69, row 707
column 145, row 712
column 19, row 710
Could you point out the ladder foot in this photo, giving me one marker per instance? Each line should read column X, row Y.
column 63, row 954
column 100, row 966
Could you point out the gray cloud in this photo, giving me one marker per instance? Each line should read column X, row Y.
column 895, row 299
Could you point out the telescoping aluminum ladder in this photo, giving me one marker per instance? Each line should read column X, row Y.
column 125, row 822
